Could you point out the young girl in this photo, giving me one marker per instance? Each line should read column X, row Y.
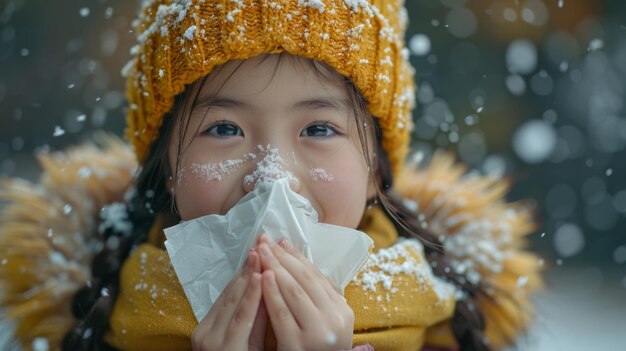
column 222, row 95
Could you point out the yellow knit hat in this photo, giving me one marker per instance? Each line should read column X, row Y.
column 180, row 41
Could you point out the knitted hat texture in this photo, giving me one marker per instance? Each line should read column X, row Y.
column 180, row 41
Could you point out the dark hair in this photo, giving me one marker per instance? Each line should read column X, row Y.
column 93, row 304
column 93, row 308
column 468, row 324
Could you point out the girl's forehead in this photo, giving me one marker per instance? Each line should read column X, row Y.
column 276, row 76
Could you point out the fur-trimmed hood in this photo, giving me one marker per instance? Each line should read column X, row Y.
column 49, row 234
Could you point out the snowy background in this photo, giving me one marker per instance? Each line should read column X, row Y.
column 528, row 89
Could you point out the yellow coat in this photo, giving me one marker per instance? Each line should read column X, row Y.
column 48, row 235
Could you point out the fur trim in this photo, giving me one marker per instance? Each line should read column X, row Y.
column 48, row 235
column 482, row 235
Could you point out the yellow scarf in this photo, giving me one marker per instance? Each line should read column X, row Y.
column 394, row 297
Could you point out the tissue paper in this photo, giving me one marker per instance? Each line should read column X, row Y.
column 207, row 252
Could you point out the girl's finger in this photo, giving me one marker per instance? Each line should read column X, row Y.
column 220, row 313
column 242, row 320
column 282, row 319
column 321, row 282
column 305, row 273
column 256, row 342
column 256, row 264
column 261, row 238
column 298, row 301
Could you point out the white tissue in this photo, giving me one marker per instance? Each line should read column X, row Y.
column 206, row 252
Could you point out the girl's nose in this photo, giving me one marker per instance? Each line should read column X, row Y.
column 270, row 165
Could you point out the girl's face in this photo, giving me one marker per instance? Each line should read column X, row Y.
column 257, row 121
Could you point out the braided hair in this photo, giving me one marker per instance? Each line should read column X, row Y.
column 93, row 304
column 468, row 324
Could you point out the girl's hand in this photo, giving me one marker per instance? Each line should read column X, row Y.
column 306, row 312
column 237, row 320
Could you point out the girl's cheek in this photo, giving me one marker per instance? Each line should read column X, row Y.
column 343, row 180
column 191, row 196
column 198, row 192
column 350, row 184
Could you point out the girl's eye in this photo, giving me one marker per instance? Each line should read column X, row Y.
column 224, row 130
column 318, row 130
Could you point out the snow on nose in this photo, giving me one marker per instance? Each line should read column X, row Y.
column 271, row 167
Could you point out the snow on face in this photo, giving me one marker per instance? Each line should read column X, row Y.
column 216, row 171
column 270, row 168
column 320, row 175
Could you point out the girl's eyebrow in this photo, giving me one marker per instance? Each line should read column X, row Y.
column 322, row 103
column 309, row 104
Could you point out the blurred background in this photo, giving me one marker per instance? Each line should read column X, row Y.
column 532, row 90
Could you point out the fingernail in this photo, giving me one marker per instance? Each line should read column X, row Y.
column 284, row 244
